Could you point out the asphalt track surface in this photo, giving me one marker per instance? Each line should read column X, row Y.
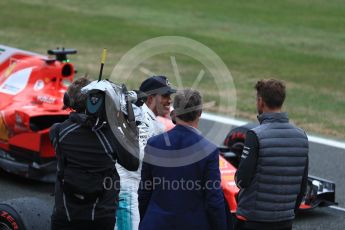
column 325, row 161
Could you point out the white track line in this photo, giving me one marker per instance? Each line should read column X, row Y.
column 337, row 208
column 236, row 122
column 224, row 120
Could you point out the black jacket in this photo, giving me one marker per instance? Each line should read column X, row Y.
column 94, row 152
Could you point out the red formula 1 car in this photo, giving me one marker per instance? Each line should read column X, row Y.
column 320, row 192
column 31, row 91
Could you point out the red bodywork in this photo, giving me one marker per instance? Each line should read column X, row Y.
column 31, row 91
column 228, row 183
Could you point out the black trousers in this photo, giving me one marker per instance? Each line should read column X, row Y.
column 249, row 225
column 101, row 224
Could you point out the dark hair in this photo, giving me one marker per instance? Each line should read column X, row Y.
column 272, row 92
column 187, row 104
column 77, row 100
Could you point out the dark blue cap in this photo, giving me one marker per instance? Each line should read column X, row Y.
column 157, row 85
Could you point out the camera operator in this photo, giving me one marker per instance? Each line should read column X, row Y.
column 86, row 189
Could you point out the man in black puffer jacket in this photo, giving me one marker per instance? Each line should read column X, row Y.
column 87, row 184
column 273, row 172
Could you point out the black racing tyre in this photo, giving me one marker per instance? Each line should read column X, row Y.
column 235, row 142
column 25, row 214
column 238, row 135
column 9, row 218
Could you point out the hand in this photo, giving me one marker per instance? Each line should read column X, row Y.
column 142, row 97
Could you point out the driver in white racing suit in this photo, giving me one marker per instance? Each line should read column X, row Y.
column 158, row 91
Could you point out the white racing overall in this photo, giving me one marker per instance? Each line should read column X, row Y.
column 127, row 214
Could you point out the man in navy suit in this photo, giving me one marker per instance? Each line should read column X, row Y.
column 180, row 177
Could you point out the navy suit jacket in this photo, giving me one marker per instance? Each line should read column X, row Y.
column 180, row 183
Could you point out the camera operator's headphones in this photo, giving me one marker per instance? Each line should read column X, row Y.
column 94, row 103
column 66, row 101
